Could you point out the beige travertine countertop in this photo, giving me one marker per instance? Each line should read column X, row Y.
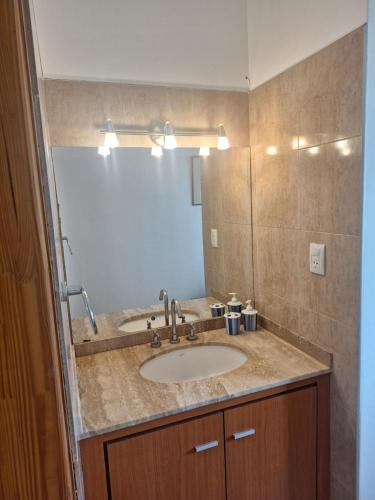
column 114, row 395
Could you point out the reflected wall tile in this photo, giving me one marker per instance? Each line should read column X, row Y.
column 212, row 187
column 215, row 282
column 238, row 260
column 276, row 190
column 236, row 195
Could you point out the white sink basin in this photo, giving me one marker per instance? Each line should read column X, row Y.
column 193, row 363
column 138, row 324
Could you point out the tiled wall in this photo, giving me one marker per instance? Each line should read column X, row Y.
column 226, row 206
column 306, row 156
column 77, row 110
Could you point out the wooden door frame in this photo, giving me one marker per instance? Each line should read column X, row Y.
column 35, row 458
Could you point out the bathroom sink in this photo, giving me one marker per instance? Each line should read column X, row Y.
column 140, row 323
column 193, row 363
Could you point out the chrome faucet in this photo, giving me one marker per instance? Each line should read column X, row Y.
column 163, row 295
column 175, row 305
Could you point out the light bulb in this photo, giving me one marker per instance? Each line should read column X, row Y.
column 157, row 151
column 169, row 137
column 110, row 138
column 272, row 150
column 104, row 151
column 222, row 139
column 314, row 150
column 204, row 151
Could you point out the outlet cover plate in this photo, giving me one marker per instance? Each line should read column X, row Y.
column 317, row 259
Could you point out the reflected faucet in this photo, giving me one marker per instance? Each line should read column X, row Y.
column 67, row 291
column 163, row 295
column 175, row 305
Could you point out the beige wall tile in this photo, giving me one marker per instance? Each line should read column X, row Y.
column 277, row 262
column 330, row 186
column 238, row 260
column 276, row 186
column 316, row 198
column 77, row 110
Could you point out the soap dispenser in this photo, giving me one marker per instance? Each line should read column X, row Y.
column 249, row 317
column 234, row 305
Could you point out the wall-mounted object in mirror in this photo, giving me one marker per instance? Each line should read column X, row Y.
column 196, row 180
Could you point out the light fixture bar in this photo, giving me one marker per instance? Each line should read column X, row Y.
column 177, row 133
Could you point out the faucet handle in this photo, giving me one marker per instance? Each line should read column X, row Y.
column 155, row 342
column 191, row 335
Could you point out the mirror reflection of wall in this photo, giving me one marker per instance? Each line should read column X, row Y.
column 132, row 226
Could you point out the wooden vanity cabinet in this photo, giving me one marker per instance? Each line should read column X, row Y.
column 273, row 445
column 271, row 448
column 183, row 461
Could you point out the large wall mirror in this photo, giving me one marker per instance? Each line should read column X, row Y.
column 134, row 224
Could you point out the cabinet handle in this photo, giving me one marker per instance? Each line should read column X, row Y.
column 206, row 446
column 243, row 434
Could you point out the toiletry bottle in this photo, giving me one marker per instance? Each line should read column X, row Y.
column 250, row 316
column 234, row 305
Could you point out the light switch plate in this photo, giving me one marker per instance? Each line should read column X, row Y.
column 214, row 239
column 317, row 259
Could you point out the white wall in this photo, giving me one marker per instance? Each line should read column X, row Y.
column 283, row 33
column 190, row 42
column 132, row 226
column 366, row 475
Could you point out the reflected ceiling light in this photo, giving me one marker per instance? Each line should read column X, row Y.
column 302, row 142
column 104, row 151
column 169, row 137
column 204, row 151
column 343, row 147
column 342, row 144
column 110, row 138
column 157, row 151
column 314, row 150
column 271, row 150
column 222, row 139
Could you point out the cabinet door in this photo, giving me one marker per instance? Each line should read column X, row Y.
column 271, row 448
column 179, row 462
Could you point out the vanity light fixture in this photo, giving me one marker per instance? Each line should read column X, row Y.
column 204, row 151
column 157, row 151
column 222, row 139
column 169, row 137
column 110, row 138
column 104, row 151
column 164, row 137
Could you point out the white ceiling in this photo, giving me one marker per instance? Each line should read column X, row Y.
column 284, row 32
column 194, row 42
column 204, row 43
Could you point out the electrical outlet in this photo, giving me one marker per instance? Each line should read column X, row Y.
column 214, row 238
column 317, row 258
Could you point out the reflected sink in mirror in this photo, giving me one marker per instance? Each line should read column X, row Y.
column 138, row 324
column 193, row 363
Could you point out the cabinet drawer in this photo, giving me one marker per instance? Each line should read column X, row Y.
column 271, row 448
column 180, row 462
